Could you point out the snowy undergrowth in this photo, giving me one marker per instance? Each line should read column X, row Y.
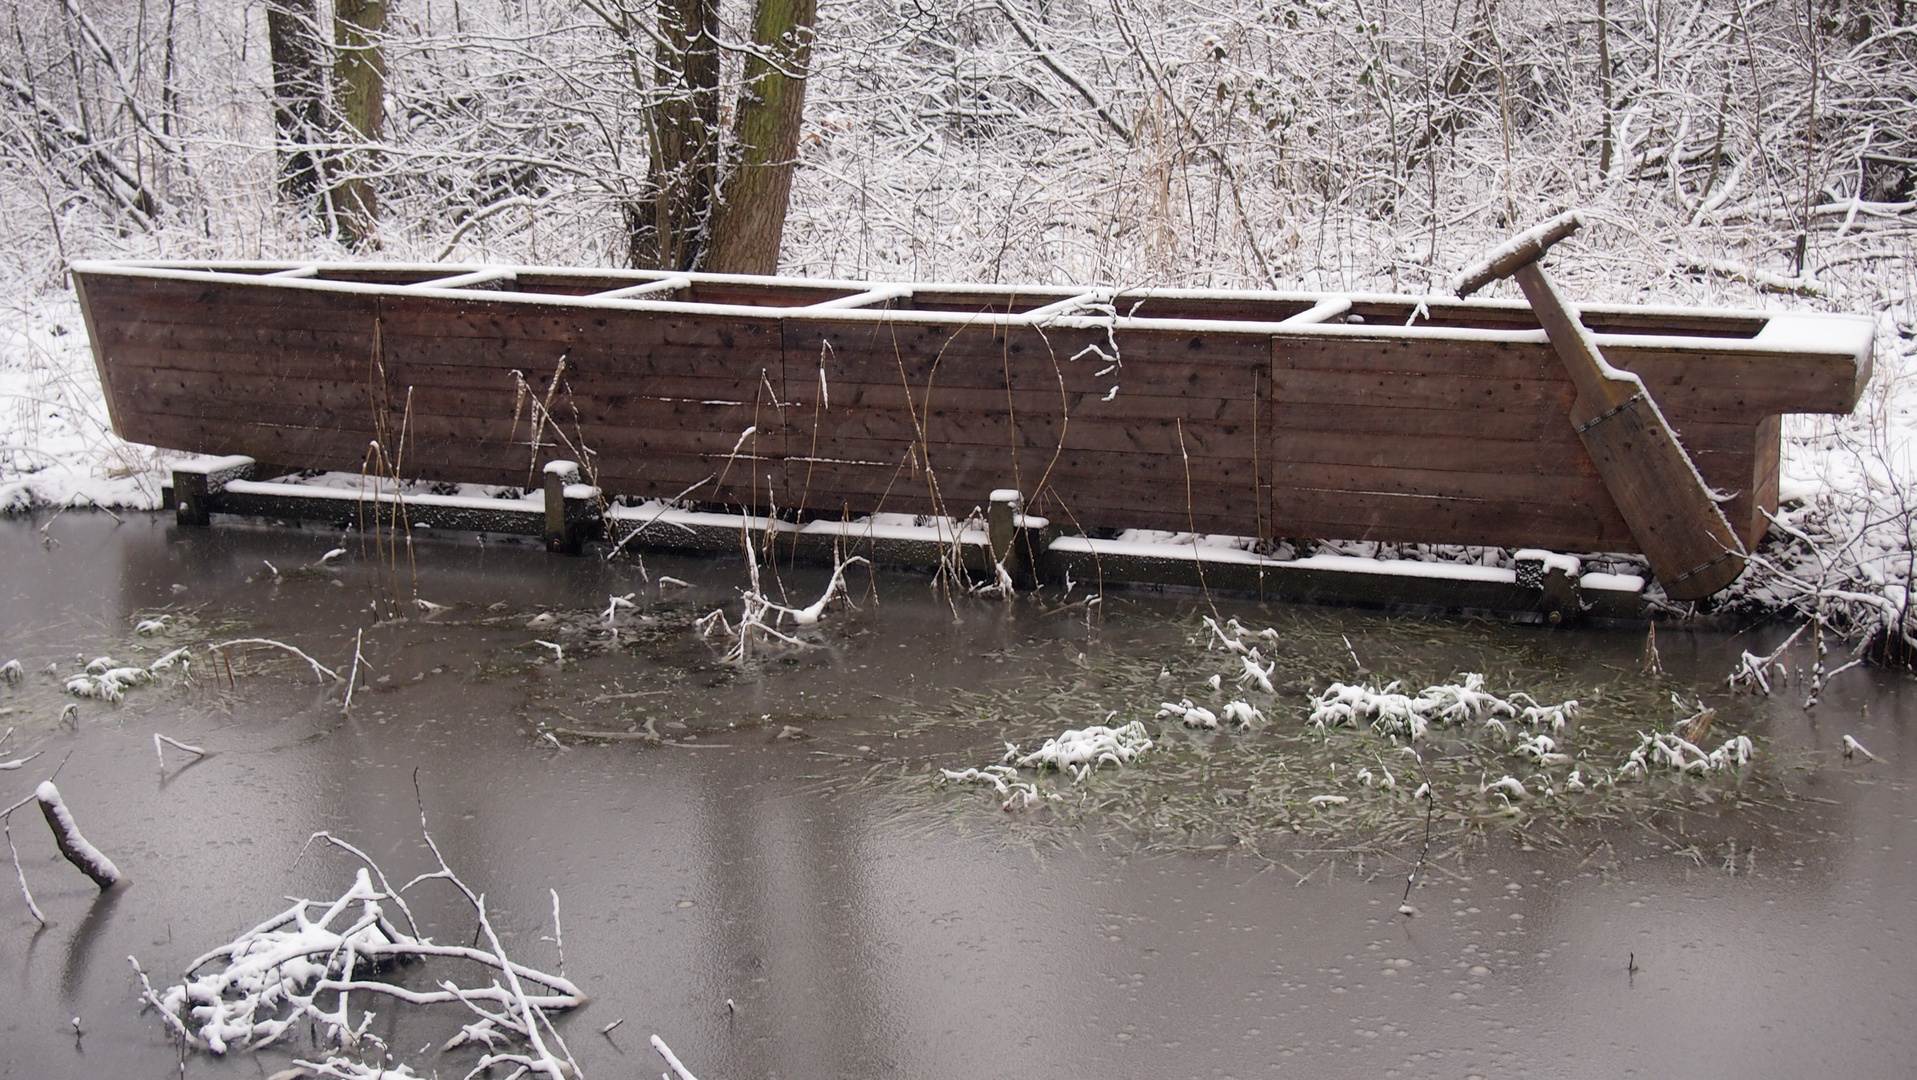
column 57, row 446
column 1842, row 549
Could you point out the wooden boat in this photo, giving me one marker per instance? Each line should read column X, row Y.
column 1263, row 414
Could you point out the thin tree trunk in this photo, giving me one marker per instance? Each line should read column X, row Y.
column 670, row 232
column 751, row 216
column 359, row 89
column 298, row 94
column 1604, row 88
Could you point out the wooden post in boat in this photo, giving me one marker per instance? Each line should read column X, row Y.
column 1657, row 489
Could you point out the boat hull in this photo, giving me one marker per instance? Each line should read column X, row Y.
column 1179, row 411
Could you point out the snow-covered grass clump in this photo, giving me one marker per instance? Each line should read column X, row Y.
column 1075, row 751
column 107, row 684
column 1667, row 750
column 1080, row 750
column 1388, row 712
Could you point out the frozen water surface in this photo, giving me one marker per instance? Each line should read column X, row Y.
column 854, row 935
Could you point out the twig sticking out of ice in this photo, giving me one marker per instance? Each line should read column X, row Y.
column 1508, row 786
column 1755, row 672
column 74, row 846
column 1556, row 717
column 1543, row 749
column 1080, row 750
column 614, row 603
column 672, row 1060
column 6, row 823
column 158, row 752
column 1231, row 635
column 809, row 615
column 760, row 617
column 1853, row 748
column 1254, row 675
column 1448, row 705
column 1661, row 750
column 1077, row 751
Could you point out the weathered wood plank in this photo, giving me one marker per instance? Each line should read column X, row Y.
column 1347, row 515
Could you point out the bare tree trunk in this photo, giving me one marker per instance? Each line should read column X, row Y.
column 359, row 88
column 298, row 94
column 1604, row 89
column 751, row 215
column 670, row 232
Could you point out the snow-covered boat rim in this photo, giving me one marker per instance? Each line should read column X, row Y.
column 1785, row 332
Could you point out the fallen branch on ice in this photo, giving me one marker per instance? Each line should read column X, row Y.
column 306, row 963
column 320, row 671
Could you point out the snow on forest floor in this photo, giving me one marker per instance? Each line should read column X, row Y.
column 57, row 446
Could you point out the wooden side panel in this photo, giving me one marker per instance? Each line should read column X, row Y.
column 311, row 378
column 1298, row 436
column 1470, row 443
column 652, row 405
column 1096, row 433
column 147, row 331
